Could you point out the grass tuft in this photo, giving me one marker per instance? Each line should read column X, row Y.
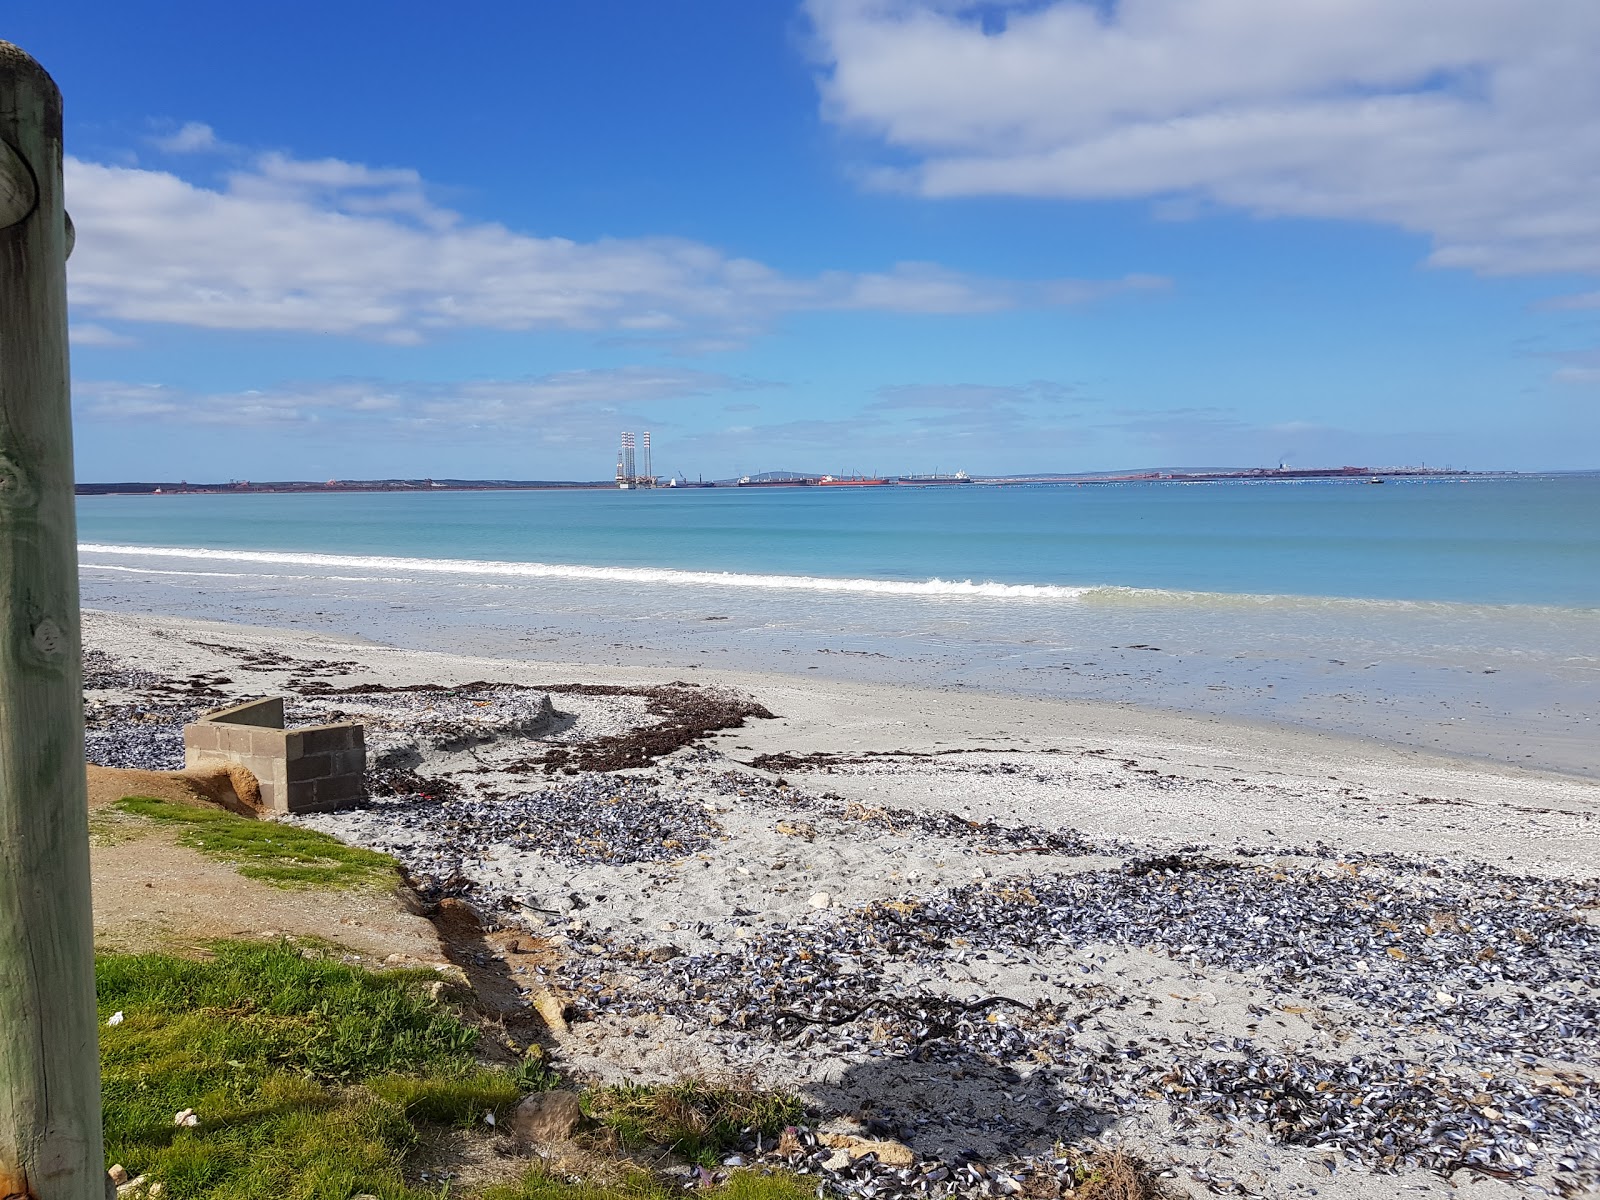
column 306, row 1074
column 1116, row 1175
column 282, row 855
column 539, row 1184
column 450, row 1100
column 697, row 1120
column 316, row 1080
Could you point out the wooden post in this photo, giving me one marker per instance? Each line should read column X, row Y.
column 50, row 1138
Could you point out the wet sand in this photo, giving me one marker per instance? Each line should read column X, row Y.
column 1508, row 684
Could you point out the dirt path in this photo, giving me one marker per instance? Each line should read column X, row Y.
column 152, row 894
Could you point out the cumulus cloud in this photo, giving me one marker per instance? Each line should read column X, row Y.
column 554, row 407
column 1471, row 123
column 329, row 246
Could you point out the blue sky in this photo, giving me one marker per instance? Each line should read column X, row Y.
column 876, row 235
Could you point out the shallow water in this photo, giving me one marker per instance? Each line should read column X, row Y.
column 1455, row 616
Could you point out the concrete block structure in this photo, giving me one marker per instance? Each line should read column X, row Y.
column 309, row 769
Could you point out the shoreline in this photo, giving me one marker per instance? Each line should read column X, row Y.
column 971, row 925
column 830, row 716
column 1244, row 603
column 850, row 671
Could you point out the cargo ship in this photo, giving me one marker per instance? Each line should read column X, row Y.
column 851, row 481
column 782, row 481
column 934, row 480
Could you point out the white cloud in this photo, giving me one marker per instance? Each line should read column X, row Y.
column 337, row 247
column 556, row 407
column 193, row 138
column 929, row 288
column 99, row 336
column 1472, row 122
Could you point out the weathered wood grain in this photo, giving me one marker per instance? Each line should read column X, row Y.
column 50, row 1138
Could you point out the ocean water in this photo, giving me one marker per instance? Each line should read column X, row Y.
column 1453, row 615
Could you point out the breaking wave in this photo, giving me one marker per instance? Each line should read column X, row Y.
column 394, row 569
column 657, row 575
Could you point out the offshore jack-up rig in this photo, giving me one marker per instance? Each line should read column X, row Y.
column 628, row 476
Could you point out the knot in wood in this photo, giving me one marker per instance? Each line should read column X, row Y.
column 48, row 639
column 14, row 489
column 19, row 191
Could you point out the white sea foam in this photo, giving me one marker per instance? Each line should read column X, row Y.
column 652, row 575
column 396, row 569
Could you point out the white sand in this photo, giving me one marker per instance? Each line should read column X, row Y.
column 1159, row 780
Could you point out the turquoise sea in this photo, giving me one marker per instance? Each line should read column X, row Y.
column 1461, row 615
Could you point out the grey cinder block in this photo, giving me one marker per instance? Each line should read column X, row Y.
column 299, row 770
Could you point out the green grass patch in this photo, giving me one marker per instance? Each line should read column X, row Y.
column 742, row 1185
column 107, row 827
column 310, row 1078
column 697, row 1120
column 282, row 855
column 307, row 1075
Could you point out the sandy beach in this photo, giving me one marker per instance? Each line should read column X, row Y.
column 1266, row 961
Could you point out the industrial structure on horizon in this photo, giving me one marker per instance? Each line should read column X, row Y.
column 628, row 476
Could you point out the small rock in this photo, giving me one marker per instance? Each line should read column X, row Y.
column 821, row 900
column 551, row 1010
column 890, row 1154
column 661, row 954
column 118, row 1174
column 133, row 1185
column 186, row 1118
column 546, row 1117
column 115, row 1018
